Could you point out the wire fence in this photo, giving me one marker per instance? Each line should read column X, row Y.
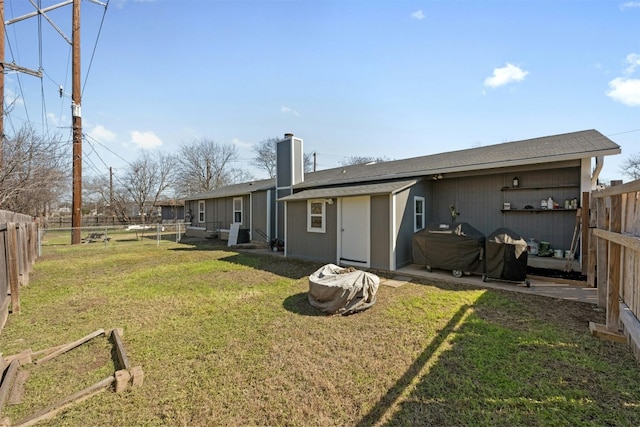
column 112, row 236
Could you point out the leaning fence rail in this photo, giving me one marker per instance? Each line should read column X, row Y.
column 617, row 253
column 18, row 252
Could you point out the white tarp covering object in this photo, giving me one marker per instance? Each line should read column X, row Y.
column 338, row 290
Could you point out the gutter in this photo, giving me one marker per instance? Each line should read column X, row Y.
column 596, row 171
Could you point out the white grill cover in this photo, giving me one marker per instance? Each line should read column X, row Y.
column 338, row 290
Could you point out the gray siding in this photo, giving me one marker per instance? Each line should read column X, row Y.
column 280, row 213
column 219, row 212
column 313, row 246
column 283, row 164
column 259, row 210
column 405, row 219
column 380, row 220
column 480, row 201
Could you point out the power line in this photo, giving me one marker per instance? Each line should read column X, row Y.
column 107, row 148
column 95, row 46
column 622, row 133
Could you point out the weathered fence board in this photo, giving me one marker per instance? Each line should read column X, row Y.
column 18, row 252
column 617, row 265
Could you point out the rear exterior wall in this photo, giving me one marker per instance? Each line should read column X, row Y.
column 300, row 243
column 260, row 207
column 480, row 202
column 405, row 219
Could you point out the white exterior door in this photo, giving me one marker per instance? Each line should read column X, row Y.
column 354, row 231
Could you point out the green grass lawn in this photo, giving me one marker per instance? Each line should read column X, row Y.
column 229, row 339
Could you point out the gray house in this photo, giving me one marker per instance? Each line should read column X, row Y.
column 366, row 215
column 171, row 210
column 251, row 205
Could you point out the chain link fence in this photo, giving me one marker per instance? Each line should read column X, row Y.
column 112, row 236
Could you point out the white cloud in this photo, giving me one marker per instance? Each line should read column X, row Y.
column 287, row 110
column 10, row 97
column 629, row 5
column 120, row 4
column 147, row 140
column 53, row 119
column 102, row 134
column 626, row 91
column 419, row 15
column 505, row 75
column 633, row 59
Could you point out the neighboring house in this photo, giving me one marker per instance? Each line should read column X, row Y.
column 250, row 204
column 171, row 210
column 366, row 215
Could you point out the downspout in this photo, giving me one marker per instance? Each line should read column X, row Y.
column 596, row 171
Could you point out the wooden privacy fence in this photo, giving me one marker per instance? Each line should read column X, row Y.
column 616, row 250
column 18, row 251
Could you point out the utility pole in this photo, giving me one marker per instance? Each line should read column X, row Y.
column 76, row 112
column 2, row 37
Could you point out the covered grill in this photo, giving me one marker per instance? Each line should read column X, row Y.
column 506, row 256
column 450, row 246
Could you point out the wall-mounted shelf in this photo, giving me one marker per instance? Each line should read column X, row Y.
column 538, row 210
column 550, row 187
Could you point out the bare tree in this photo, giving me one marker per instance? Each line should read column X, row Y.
column 308, row 162
column 362, row 160
column 32, row 172
column 204, row 165
column 265, row 158
column 116, row 200
column 631, row 166
column 146, row 180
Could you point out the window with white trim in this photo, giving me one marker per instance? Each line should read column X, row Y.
column 316, row 217
column 418, row 213
column 237, row 210
column 201, row 211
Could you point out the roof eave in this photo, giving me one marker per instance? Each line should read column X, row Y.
column 466, row 168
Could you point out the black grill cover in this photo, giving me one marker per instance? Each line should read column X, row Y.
column 506, row 255
column 449, row 246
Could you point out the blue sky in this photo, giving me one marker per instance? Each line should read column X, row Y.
column 392, row 79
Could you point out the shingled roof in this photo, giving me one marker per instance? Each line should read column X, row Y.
column 235, row 190
column 555, row 148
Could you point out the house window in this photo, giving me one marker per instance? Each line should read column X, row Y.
column 200, row 210
column 315, row 216
column 237, row 210
column 418, row 213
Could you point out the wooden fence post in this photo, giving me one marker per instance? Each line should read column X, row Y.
column 602, row 263
column 591, row 257
column 613, row 291
column 13, row 268
column 584, row 238
column 23, row 254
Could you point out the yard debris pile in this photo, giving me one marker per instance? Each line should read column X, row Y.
column 338, row 290
column 96, row 237
column 11, row 384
